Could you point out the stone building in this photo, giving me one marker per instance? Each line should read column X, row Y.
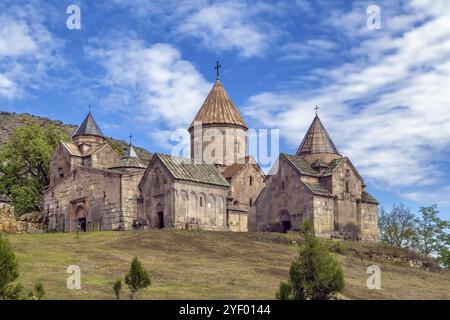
column 93, row 188
column 319, row 184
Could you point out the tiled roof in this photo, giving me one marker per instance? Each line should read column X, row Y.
column 317, row 140
column 301, row 165
column 232, row 170
column 317, row 189
column 367, row 197
column 71, row 148
column 186, row 169
column 333, row 165
column 219, row 109
column 88, row 127
column 130, row 160
column 319, row 163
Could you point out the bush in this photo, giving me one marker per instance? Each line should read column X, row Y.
column 9, row 270
column 315, row 274
column 117, row 286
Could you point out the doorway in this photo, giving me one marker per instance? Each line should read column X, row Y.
column 82, row 224
column 160, row 219
column 285, row 221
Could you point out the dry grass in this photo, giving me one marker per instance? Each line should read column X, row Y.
column 196, row 265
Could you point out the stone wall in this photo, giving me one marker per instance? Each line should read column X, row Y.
column 368, row 221
column 294, row 199
column 237, row 220
column 86, row 193
column 130, row 198
column 244, row 192
column 323, row 215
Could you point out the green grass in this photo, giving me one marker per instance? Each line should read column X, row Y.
column 198, row 265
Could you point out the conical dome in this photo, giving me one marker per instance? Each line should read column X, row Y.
column 219, row 109
column 317, row 140
column 88, row 127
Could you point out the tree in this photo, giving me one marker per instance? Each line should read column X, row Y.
column 117, row 286
column 38, row 293
column 397, row 226
column 136, row 278
column 9, row 270
column 24, row 164
column 315, row 274
column 431, row 232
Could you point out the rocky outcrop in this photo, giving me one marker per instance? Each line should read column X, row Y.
column 27, row 223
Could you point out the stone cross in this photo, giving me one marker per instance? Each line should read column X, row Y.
column 317, row 108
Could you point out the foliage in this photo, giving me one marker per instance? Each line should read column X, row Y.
column 136, row 278
column 117, row 287
column 315, row 274
column 38, row 293
column 24, row 164
column 431, row 232
column 444, row 257
column 397, row 226
column 9, row 270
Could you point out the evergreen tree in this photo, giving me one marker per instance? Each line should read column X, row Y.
column 117, row 287
column 9, row 270
column 315, row 274
column 136, row 278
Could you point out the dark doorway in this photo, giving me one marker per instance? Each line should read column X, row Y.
column 285, row 221
column 160, row 220
column 285, row 226
column 82, row 224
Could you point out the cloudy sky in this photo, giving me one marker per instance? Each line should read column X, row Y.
column 146, row 66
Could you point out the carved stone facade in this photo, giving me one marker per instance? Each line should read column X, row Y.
column 320, row 185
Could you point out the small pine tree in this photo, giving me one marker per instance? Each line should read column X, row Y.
column 136, row 278
column 117, row 286
column 39, row 291
column 315, row 274
column 9, row 270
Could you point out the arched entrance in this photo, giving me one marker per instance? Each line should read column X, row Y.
column 285, row 221
column 80, row 216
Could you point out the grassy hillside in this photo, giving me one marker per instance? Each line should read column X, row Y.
column 10, row 120
column 199, row 265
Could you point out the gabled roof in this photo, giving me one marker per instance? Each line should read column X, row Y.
column 232, row 170
column 71, row 148
column 333, row 165
column 301, row 165
column 88, row 127
column 219, row 109
column 187, row 169
column 317, row 140
column 317, row 189
column 367, row 197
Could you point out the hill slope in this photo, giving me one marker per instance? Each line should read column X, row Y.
column 10, row 120
column 198, row 265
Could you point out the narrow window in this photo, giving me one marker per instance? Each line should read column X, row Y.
column 282, row 185
column 251, row 202
column 346, row 187
column 201, row 202
column 251, row 180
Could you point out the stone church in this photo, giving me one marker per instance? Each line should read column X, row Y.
column 319, row 184
column 93, row 188
column 220, row 187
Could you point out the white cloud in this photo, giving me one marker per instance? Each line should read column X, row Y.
column 152, row 83
column 27, row 50
column 388, row 108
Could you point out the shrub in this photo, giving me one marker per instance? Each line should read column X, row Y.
column 136, row 278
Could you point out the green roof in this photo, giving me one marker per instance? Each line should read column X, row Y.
column 318, row 189
column 301, row 165
column 186, row 169
column 367, row 197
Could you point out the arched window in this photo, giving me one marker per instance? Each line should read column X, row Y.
column 61, row 172
column 347, row 187
column 201, row 201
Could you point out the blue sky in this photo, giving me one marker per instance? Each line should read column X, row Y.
column 146, row 66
